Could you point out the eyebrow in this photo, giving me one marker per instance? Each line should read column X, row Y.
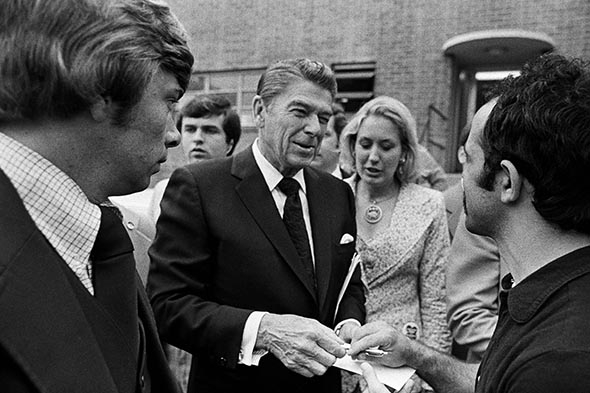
column 307, row 106
column 210, row 127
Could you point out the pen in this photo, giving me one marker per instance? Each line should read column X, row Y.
column 373, row 352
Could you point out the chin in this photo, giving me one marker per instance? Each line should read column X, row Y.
column 372, row 180
column 300, row 162
column 315, row 164
column 193, row 160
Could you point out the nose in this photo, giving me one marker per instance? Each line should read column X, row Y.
column 374, row 154
column 198, row 135
column 314, row 127
column 172, row 137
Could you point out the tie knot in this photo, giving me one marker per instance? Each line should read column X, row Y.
column 289, row 186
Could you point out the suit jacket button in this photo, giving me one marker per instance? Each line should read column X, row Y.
column 222, row 361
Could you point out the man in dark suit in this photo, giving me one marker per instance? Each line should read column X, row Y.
column 246, row 273
column 86, row 100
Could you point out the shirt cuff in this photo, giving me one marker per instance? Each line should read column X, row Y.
column 341, row 323
column 248, row 356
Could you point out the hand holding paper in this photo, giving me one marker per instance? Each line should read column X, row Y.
column 393, row 377
column 303, row 345
column 381, row 335
column 391, row 347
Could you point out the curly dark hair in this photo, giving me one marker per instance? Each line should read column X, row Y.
column 541, row 123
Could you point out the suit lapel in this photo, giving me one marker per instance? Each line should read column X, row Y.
column 254, row 193
column 44, row 328
column 319, row 206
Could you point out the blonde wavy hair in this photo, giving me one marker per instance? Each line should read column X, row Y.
column 390, row 109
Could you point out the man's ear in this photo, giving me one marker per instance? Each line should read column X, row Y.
column 258, row 111
column 102, row 109
column 230, row 146
column 511, row 182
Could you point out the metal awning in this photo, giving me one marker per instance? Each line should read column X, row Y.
column 497, row 48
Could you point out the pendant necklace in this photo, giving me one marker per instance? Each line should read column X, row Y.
column 373, row 213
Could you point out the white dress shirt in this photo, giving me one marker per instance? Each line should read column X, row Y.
column 272, row 177
column 56, row 204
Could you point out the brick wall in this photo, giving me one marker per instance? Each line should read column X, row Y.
column 403, row 37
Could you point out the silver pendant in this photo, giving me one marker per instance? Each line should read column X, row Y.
column 373, row 214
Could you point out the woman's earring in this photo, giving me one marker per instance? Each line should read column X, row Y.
column 400, row 166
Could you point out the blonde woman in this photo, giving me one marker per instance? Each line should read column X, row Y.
column 403, row 238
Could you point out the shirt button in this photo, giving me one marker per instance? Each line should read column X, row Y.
column 142, row 381
column 130, row 225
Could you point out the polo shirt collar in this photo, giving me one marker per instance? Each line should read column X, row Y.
column 526, row 298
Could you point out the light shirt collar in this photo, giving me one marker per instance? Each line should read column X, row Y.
column 57, row 205
column 271, row 175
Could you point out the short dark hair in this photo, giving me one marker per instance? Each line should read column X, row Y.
column 279, row 75
column 59, row 57
column 213, row 105
column 541, row 123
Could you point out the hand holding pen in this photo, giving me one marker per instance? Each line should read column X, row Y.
column 380, row 343
column 371, row 352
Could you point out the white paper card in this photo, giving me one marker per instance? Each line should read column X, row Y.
column 356, row 260
column 392, row 377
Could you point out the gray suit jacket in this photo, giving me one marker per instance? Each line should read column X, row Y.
column 473, row 282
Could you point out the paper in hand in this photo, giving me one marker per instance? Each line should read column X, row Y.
column 392, row 377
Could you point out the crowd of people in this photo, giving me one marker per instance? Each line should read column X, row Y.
column 326, row 237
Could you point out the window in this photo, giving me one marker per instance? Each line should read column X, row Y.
column 239, row 87
column 355, row 84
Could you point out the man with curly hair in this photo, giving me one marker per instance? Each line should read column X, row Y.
column 526, row 185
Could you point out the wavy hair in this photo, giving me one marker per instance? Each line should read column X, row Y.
column 279, row 75
column 58, row 57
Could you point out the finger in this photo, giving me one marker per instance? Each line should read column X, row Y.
column 319, row 355
column 372, row 381
column 385, row 360
column 302, row 365
column 370, row 329
column 331, row 343
column 374, row 340
column 313, row 367
column 410, row 387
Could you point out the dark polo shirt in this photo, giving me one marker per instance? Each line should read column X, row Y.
column 542, row 340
